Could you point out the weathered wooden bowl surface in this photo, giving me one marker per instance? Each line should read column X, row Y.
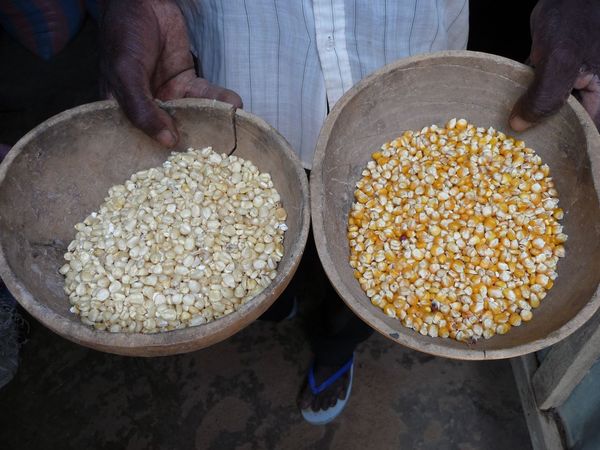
column 423, row 90
column 61, row 171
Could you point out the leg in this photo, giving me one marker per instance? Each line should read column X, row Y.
column 337, row 333
column 283, row 306
column 340, row 335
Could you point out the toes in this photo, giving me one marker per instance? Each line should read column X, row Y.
column 305, row 399
column 327, row 399
column 316, row 403
column 332, row 401
column 323, row 402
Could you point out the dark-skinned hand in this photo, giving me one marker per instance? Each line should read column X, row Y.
column 566, row 56
column 145, row 55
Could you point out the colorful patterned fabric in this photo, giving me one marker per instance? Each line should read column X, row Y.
column 43, row 26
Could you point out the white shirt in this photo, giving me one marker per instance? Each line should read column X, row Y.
column 290, row 60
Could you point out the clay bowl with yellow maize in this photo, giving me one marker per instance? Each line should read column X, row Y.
column 59, row 174
column 464, row 239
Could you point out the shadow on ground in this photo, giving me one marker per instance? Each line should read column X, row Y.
column 241, row 394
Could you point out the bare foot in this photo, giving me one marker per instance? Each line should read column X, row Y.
column 329, row 397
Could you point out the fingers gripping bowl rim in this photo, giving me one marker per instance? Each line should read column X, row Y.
column 74, row 157
column 416, row 92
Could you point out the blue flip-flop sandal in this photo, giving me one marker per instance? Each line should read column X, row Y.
column 325, row 416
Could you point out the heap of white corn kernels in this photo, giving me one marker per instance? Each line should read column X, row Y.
column 176, row 246
column 455, row 231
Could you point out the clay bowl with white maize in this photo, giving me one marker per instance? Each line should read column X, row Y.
column 120, row 245
column 464, row 239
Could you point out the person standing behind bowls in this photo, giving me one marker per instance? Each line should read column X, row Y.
column 289, row 62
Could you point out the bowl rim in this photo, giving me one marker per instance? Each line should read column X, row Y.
column 412, row 340
column 176, row 341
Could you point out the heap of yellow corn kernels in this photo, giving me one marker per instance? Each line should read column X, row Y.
column 455, row 231
column 176, row 246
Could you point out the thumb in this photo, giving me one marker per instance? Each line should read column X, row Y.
column 146, row 115
column 589, row 93
column 554, row 79
column 201, row 88
column 131, row 88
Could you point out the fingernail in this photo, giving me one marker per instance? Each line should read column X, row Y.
column 519, row 124
column 583, row 80
column 166, row 138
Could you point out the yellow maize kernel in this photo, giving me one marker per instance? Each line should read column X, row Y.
column 490, row 223
column 515, row 320
column 412, row 299
column 519, row 273
column 389, row 310
column 454, row 226
column 357, row 214
column 443, row 332
column 534, row 302
column 526, row 315
column 503, row 328
column 560, row 238
column 558, row 214
column 399, row 303
column 361, row 197
column 502, row 317
column 458, row 266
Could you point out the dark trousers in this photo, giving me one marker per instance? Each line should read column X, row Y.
column 333, row 329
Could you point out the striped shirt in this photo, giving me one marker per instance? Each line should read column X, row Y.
column 290, row 60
